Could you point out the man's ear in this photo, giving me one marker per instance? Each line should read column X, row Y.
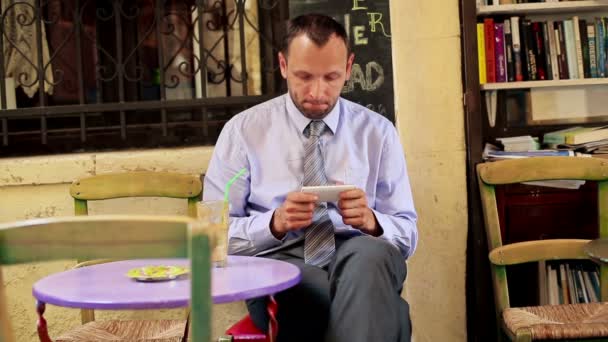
column 283, row 65
column 349, row 65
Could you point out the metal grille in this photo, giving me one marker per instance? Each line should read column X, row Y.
column 85, row 75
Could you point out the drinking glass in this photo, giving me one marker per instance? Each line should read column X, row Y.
column 214, row 218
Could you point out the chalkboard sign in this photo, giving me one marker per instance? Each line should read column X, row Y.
column 367, row 23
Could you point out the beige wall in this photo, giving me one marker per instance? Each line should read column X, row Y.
column 430, row 119
column 428, row 93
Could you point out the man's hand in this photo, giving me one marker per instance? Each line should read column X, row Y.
column 295, row 213
column 356, row 213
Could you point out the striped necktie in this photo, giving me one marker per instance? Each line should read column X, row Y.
column 319, row 242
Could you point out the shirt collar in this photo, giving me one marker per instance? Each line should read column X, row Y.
column 331, row 119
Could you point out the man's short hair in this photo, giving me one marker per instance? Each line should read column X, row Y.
column 317, row 27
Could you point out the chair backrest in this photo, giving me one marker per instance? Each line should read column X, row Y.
column 132, row 184
column 112, row 236
column 535, row 169
column 136, row 184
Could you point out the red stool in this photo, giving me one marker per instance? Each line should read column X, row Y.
column 245, row 331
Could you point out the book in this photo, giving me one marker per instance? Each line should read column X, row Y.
column 552, row 49
column 543, row 285
column 499, row 50
column 585, row 47
column 578, row 47
column 605, row 24
column 558, row 183
column 481, row 53
column 547, row 48
column 539, row 50
column 593, row 298
column 581, row 284
column 558, row 137
column 509, row 51
column 570, row 49
column 597, row 146
column 562, row 59
column 519, row 144
column 600, row 47
column 564, row 284
column 595, row 281
column 592, row 50
column 490, row 53
column 587, row 134
column 571, row 286
column 490, row 152
column 517, row 59
column 552, row 282
column 527, row 41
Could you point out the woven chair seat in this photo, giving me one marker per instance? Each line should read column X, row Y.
column 116, row 330
column 552, row 322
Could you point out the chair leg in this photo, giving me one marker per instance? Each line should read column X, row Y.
column 523, row 335
column 87, row 315
column 273, row 324
column 43, row 333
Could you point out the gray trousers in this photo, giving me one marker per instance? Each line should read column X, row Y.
column 357, row 297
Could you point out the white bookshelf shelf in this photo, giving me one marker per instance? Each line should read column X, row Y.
column 544, row 84
column 545, row 7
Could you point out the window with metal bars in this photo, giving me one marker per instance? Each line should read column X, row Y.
column 90, row 75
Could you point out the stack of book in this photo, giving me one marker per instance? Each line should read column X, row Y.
column 568, row 282
column 519, row 144
column 518, row 49
column 593, row 140
column 493, row 153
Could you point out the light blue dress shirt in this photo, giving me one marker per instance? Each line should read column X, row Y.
column 360, row 147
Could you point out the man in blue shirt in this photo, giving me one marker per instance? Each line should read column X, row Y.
column 351, row 252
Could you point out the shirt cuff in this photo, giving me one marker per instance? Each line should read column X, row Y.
column 261, row 235
column 386, row 225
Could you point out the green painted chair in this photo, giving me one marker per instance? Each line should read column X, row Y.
column 135, row 184
column 547, row 322
column 124, row 237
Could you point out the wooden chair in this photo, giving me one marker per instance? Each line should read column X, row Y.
column 135, row 184
column 123, row 237
column 569, row 321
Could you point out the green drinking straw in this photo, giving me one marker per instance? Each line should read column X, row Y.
column 232, row 180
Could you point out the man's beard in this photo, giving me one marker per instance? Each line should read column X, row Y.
column 313, row 114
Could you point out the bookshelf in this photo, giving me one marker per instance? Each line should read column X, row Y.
column 543, row 8
column 487, row 118
column 544, row 84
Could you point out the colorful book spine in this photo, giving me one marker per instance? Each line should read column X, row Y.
column 570, row 49
column 509, row 51
column 553, row 50
column 600, row 46
column 499, row 50
column 585, row 47
column 592, row 50
column 547, row 47
column 561, row 51
column 538, row 46
column 517, row 62
column 605, row 24
column 490, row 53
column 527, row 38
column 578, row 47
column 481, row 53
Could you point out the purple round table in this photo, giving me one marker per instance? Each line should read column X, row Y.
column 106, row 286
